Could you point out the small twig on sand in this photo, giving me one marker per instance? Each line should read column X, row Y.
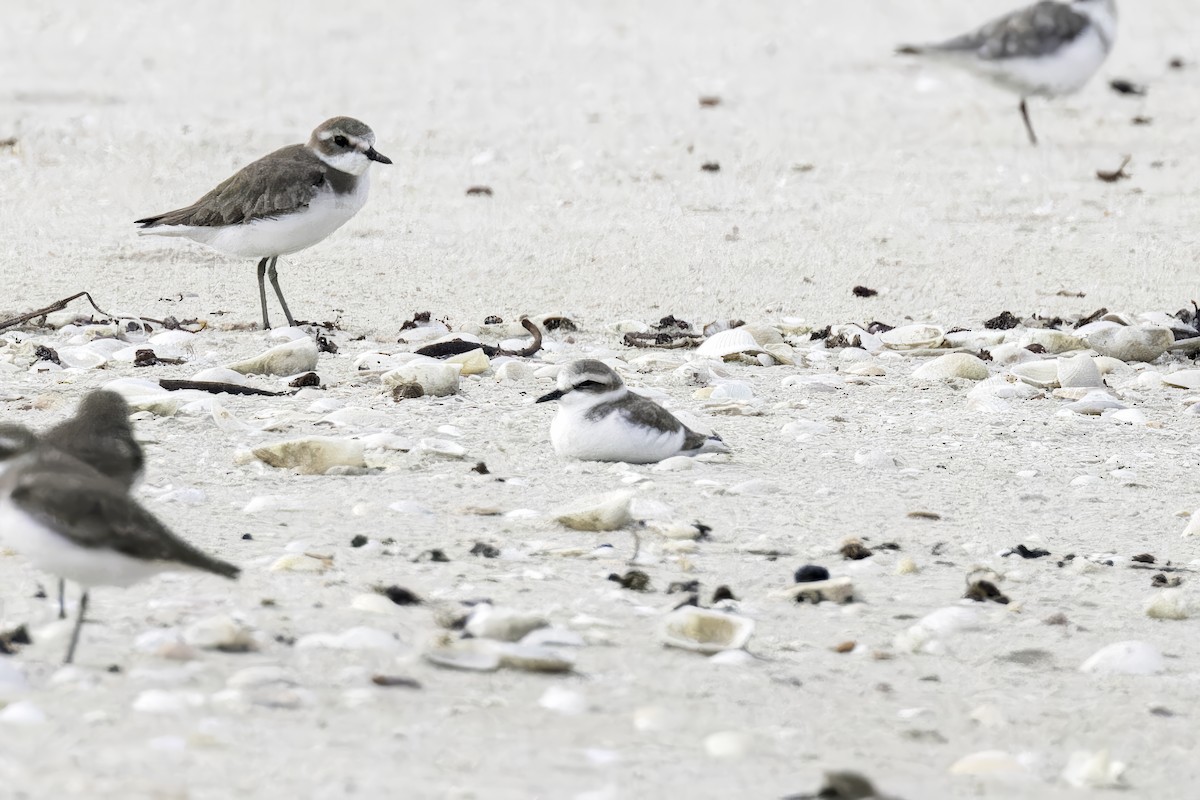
column 457, row 346
column 637, row 547
column 216, row 387
column 59, row 305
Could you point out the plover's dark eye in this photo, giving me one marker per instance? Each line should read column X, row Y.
column 588, row 385
column 341, row 141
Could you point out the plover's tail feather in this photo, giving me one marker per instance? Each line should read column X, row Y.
column 696, row 443
column 910, row 50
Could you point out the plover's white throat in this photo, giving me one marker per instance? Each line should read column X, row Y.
column 282, row 203
column 67, row 519
column 599, row 419
column 1044, row 50
column 100, row 436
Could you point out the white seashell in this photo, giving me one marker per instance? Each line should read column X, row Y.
column 729, row 343
column 22, row 712
column 975, row 340
column 534, row 659
column 1093, row 771
column 732, row 390
column 553, row 637
column 833, row 590
column 1130, row 416
column 314, row 455
column 436, row 378
column 516, row 371
column 290, row 358
column 221, row 375
column 564, row 701
column 987, row 762
column 704, row 630
column 221, row 632
column 472, row 362
column 906, row 566
column 299, row 562
column 360, row 638
column 274, row 503
column 783, row 353
column 1053, row 341
column 1078, row 370
column 864, row 369
column 374, row 603
column 12, row 682
column 1132, row 344
column 1095, row 403
column 80, row 358
column 909, row 337
column 365, row 418
column 1193, row 526
column 1043, row 374
column 472, row 655
column 503, row 624
column 163, row 701
column 823, row 383
column 1012, row 353
column 629, row 326
column 377, row 362
column 440, row 447
column 674, row 464
column 1169, row 604
column 263, row 675
column 1126, row 658
column 952, row 365
column 606, row 512
column 177, row 339
column 1183, row 378
column 728, row 744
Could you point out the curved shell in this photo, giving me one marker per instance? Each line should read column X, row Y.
column 1043, row 374
column 705, row 631
column 1078, row 370
column 1184, row 378
column 727, row 344
column 1054, row 341
column 1132, row 344
column 1012, row 353
column 953, row 365
column 80, row 358
column 910, row 337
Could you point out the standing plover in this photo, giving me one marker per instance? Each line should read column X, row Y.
column 1044, row 50
column 100, row 436
column 67, row 519
column 599, row 419
column 282, row 203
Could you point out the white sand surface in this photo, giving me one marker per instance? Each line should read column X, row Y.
column 584, row 119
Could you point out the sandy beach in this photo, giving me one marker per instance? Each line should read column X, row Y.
column 840, row 165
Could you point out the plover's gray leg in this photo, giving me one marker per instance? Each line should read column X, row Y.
column 262, row 292
column 274, row 276
column 62, row 599
column 1028, row 124
column 83, row 601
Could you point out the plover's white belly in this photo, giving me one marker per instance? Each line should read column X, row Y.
column 611, row 438
column 282, row 235
column 53, row 553
column 1064, row 71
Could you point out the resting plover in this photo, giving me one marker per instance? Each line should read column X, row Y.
column 67, row 519
column 282, row 203
column 100, row 436
column 1044, row 50
column 599, row 419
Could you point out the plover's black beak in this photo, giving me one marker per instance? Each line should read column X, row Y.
column 375, row 155
column 557, row 393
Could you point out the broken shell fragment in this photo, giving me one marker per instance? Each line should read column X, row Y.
column 606, row 512
column 730, row 344
column 435, row 378
column 834, row 590
column 953, row 365
column 911, row 337
column 314, row 455
column 1132, row 343
column 290, row 358
column 705, row 631
column 1078, row 370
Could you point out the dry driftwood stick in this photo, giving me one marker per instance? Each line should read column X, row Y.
column 216, row 387
column 50, row 309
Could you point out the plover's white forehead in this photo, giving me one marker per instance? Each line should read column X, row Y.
column 588, row 373
column 344, row 126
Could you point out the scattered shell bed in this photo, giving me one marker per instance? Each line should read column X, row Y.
column 416, row 558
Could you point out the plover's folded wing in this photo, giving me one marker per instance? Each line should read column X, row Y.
column 1034, row 31
column 277, row 184
column 91, row 513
